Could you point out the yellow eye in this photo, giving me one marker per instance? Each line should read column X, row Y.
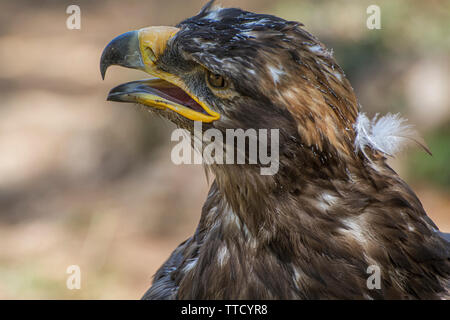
column 216, row 80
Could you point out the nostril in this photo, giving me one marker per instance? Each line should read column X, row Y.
column 150, row 54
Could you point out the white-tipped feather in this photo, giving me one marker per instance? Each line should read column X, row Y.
column 388, row 134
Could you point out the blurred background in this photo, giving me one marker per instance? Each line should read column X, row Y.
column 88, row 182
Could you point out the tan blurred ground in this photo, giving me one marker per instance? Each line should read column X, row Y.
column 90, row 183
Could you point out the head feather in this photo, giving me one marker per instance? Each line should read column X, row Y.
column 207, row 8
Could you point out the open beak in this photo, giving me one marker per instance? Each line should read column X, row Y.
column 141, row 50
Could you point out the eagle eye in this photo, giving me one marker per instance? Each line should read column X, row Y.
column 216, row 80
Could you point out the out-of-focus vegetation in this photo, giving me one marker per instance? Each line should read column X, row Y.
column 89, row 182
column 433, row 170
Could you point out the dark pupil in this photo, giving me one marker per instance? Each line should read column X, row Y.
column 216, row 80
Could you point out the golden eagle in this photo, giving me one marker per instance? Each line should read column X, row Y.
column 333, row 209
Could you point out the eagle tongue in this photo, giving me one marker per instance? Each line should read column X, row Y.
column 177, row 95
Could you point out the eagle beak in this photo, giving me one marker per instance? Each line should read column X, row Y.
column 122, row 51
column 141, row 50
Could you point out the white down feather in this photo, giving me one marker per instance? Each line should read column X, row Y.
column 388, row 134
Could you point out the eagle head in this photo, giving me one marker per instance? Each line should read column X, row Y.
column 231, row 69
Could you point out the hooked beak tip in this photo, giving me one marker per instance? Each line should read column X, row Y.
column 123, row 50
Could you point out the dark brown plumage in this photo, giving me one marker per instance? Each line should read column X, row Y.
column 333, row 209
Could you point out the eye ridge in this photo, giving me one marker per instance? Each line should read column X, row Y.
column 216, row 80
